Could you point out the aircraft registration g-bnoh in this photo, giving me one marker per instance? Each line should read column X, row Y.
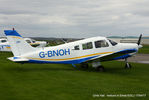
column 94, row 50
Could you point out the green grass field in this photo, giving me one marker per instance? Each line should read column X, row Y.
column 144, row 49
column 63, row 82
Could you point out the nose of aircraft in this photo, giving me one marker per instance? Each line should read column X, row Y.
column 134, row 46
column 131, row 46
column 140, row 46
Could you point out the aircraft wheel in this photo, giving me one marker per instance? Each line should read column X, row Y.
column 100, row 69
column 128, row 66
column 84, row 66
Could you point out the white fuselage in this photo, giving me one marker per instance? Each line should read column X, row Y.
column 68, row 53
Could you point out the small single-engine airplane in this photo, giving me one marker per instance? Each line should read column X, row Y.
column 5, row 46
column 94, row 50
column 35, row 43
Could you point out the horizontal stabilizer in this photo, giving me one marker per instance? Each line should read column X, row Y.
column 18, row 59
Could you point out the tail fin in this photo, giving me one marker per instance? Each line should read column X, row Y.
column 18, row 45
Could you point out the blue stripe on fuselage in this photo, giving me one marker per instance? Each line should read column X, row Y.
column 76, row 61
column 126, row 53
column 122, row 57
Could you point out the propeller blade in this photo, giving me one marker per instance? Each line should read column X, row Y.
column 139, row 41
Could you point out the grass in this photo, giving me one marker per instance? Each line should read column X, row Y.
column 144, row 49
column 63, row 82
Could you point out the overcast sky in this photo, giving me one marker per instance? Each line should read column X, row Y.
column 75, row 18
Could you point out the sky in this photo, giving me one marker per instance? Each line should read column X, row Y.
column 75, row 18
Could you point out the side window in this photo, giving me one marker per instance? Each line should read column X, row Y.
column 76, row 47
column 101, row 43
column 87, row 46
column 28, row 41
column 3, row 41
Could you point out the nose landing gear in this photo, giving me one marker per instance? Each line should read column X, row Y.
column 127, row 65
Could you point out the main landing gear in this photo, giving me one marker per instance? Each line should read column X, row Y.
column 84, row 65
column 98, row 66
column 127, row 65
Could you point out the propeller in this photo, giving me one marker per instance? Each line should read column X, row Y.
column 139, row 41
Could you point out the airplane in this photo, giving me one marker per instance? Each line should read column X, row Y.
column 5, row 46
column 91, row 50
column 35, row 43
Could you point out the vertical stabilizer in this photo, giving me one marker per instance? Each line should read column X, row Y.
column 18, row 45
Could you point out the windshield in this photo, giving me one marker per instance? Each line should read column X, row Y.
column 33, row 40
column 112, row 42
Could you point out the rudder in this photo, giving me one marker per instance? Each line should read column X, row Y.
column 18, row 45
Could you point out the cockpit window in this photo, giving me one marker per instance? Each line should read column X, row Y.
column 87, row 46
column 112, row 42
column 101, row 43
column 33, row 41
column 3, row 41
column 76, row 47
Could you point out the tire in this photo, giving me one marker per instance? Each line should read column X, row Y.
column 84, row 66
column 100, row 69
